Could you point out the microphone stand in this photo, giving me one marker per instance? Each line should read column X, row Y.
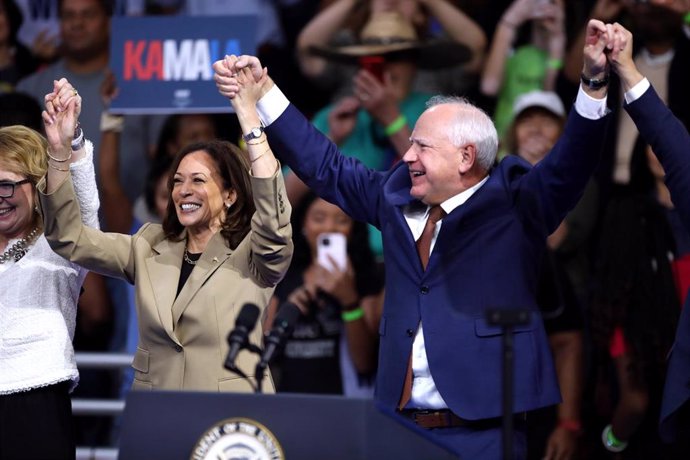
column 508, row 319
column 259, row 373
column 232, row 367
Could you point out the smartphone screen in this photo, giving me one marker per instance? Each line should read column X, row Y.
column 331, row 251
column 374, row 65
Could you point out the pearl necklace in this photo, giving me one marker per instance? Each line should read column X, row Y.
column 20, row 248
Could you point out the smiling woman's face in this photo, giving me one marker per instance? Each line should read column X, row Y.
column 324, row 217
column 198, row 193
column 16, row 212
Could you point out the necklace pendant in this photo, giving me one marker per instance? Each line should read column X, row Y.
column 19, row 254
column 20, row 248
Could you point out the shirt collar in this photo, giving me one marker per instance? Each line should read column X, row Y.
column 453, row 202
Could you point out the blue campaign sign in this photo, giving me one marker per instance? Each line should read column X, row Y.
column 163, row 64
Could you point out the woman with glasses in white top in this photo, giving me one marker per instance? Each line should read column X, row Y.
column 40, row 289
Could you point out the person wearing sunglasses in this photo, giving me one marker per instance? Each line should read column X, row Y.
column 40, row 289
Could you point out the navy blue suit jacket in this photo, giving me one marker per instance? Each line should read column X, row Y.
column 486, row 256
column 671, row 143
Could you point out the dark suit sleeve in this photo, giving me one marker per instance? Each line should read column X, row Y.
column 554, row 186
column 316, row 160
column 670, row 141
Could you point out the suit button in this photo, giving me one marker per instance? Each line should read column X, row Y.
column 178, row 348
column 424, row 289
column 410, row 332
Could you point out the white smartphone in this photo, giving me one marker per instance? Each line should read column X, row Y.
column 331, row 246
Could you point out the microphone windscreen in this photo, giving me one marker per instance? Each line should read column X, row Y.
column 287, row 317
column 248, row 316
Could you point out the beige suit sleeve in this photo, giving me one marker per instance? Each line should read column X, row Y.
column 271, row 235
column 107, row 253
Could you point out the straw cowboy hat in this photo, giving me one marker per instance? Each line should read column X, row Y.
column 394, row 38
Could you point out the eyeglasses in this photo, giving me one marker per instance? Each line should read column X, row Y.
column 7, row 187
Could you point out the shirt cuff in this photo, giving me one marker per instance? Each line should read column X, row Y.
column 589, row 107
column 271, row 105
column 636, row 91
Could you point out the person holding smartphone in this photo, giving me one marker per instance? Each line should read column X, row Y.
column 336, row 284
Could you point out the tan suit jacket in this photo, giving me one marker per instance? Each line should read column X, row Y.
column 183, row 341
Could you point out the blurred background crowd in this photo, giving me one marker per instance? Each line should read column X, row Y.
column 618, row 267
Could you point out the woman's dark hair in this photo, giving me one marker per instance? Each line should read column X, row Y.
column 160, row 166
column 23, row 62
column 233, row 168
column 20, row 109
column 14, row 17
column 363, row 261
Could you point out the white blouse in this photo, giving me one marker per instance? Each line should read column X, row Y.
column 38, row 303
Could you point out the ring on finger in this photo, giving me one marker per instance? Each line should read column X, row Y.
column 76, row 93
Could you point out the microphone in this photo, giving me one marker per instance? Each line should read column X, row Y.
column 239, row 337
column 283, row 324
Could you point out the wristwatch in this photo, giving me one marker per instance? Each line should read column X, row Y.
column 253, row 133
column 595, row 83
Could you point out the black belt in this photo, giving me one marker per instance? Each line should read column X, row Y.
column 444, row 418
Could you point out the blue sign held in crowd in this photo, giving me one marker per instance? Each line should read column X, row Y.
column 163, row 64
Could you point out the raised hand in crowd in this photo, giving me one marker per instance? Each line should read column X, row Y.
column 342, row 119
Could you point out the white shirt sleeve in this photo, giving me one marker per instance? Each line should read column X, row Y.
column 271, row 105
column 636, row 91
column 589, row 107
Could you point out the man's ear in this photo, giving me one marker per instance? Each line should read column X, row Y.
column 468, row 155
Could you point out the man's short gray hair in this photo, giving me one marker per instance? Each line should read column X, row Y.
column 472, row 125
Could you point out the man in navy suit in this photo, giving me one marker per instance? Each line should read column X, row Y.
column 670, row 142
column 484, row 250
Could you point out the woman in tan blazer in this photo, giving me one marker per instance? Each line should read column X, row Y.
column 226, row 241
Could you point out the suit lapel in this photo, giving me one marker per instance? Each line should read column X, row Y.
column 213, row 257
column 164, row 273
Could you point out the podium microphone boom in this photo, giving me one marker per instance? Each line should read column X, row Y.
column 239, row 337
column 283, row 324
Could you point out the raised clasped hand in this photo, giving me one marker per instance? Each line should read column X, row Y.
column 228, row 69
column 602, row 43
column 622, row 58
column 62, row 109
